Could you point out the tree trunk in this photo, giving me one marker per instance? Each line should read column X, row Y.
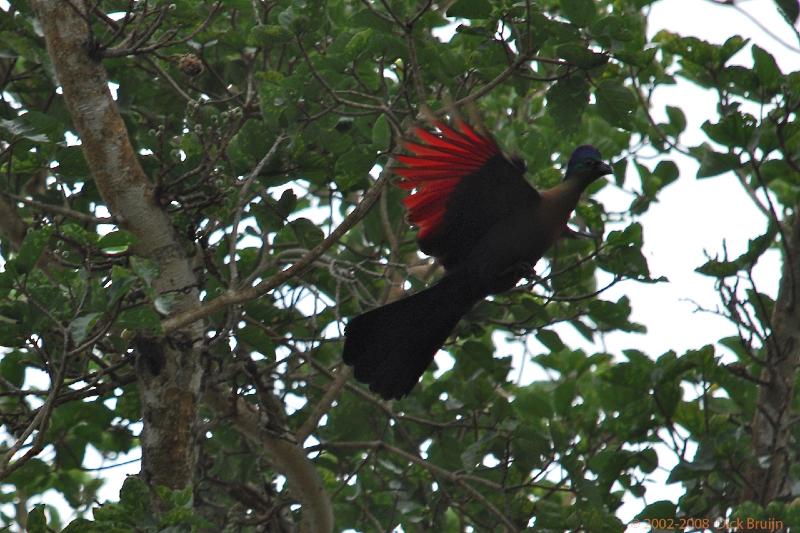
column 169, row 369
column 766, row 479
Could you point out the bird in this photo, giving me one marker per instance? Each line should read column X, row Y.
column 485, row 224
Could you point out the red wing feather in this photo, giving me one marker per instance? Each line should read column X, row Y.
column 436, row 167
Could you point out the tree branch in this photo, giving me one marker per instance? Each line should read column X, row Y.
column 286, row 456
column 434, row 469
column 324, row 405
column 12, row 227
column 233, row 297
column 169, row 396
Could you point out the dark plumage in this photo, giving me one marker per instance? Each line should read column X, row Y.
column 484, row 223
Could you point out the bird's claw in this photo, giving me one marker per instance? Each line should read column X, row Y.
column 524, row 269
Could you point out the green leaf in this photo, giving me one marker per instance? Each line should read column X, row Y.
column 647, row 460
column 300, row 231
column 37, row 522
column 358, row 42
column 774, row 169
column 470, row 9
column 81, row 326
column 31, row 249
column 550, row 339
column 763, row 306
column 18, row 128
column 563, row 395
column 620, row 169
column 665, row 173
column 667, row 170
column 533, row 401
column 755, row 249
column 272, row 215
column 790, row 10
column 715, row 163
column 366, row 18
column 32, row 478
column 472, row 455
column 677, row 118
column 615, row 103
column 580, row 56
column 12, row 368
column 287, row 19
column 734, row 129
column 80, row 525
column 268, row 35
column 381, row 133
column 122, row 280
column 611, row 316
column 566, row 101
column 662, row 509
column 474, row 358
column 623, row 254
column 530, row 441
column 766, row 67
column 579, row 12
column 50, row 126
column 613, row 28
column 684, row 471
column 142, row 318
column 116, row 241
column 77, row 233
column 730, row 48
column 353, row 167
column 257, row 340
column 146, row 269
column 718, row 269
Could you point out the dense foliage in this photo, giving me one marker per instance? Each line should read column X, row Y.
column 261, row 124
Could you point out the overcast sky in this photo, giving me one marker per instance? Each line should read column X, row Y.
column 693, row 216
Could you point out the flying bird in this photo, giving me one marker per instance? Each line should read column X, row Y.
column 479, row 217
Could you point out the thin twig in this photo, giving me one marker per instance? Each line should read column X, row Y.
column 242, row 202
column 245, row 294
column 324, row 404
column 488, row 87
column 433, row 468
column 58, row 210
column 172, row 82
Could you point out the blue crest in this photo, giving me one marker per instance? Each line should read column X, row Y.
column 582, row 153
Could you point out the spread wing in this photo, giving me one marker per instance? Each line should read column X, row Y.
column 462, row 185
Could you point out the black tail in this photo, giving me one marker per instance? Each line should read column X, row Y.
column 391, row 346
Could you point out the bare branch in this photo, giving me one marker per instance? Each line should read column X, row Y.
column 242, row 203
column 58, row 210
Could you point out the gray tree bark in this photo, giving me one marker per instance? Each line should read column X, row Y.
column 169, row 368
column 170, row 379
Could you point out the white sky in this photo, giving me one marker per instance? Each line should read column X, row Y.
column 697, row 215
column 692, row 216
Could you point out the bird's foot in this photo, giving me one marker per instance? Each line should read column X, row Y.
column 508, row 279
column 521, row 269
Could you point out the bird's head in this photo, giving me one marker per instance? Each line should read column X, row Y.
column 586, row 164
